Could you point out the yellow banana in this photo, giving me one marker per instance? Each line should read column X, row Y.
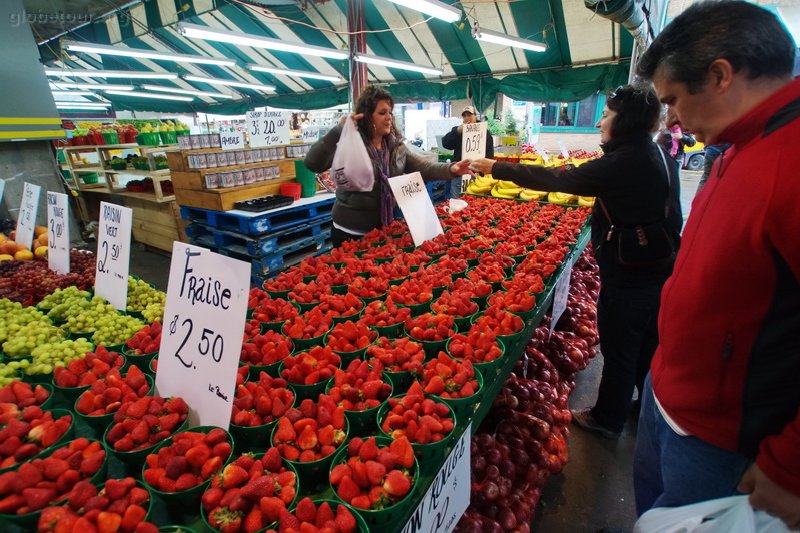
column 586, row 201
column 498, row 194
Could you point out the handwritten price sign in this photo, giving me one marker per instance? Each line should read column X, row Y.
column 415, row 203
column 310, row 135
column 473, row 141
column 232, row 140
column 113, row 254
column 268, row 128
column 27, row 213
column 58, row 232
column 202, row 339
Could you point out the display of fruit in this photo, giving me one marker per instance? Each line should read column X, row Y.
column 430, row 327
column 397, row 355
column 121, row 505
column 498, row 321
column 311, row 431
column 312, row 366
column 491, row 273
column 368, row 287
column 108, row 394
column 153, row 312
column 333, row 277
column 28, row 435
column 59, row 296
column 260, row 402
column 525, row 283
column 30, row 281
column 449, row 378
column 251, row 328
column 285, row 281
column 276, row 310
column 115, row 329
column 145, row 341
column 24, row 340
column 411, row 292
column 457, row 304
column 18, row 395
column 45, row 358
column 146, row 421
column 42, row 482
column 266, row 349
column 86, row 370
column 308, row 293
column 473, row 289
column 481, row 185
column 308, row 325
column 9, row 372
column 82, row 316
column 391, row 270
column 360, row 386
column 422, row 420
column 450, row 264
column 515, row 301
column 374, row 477
column 384, row 313
column 476, row 346
column 189, row 460
column 350, row 336
column 531, row 194
column 340, row 305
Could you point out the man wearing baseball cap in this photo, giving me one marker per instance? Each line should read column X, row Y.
column 452, row 141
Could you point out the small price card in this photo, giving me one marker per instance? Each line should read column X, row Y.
column 233, row 140
column 58, row 232
column 560, row 295
column 310, row 135
column 473, row 141
column 415, row 202
column 27, row 213
column 113, row 254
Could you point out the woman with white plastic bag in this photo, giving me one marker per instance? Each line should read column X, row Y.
column 362, row 155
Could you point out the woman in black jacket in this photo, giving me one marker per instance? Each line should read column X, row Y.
column 635, row 185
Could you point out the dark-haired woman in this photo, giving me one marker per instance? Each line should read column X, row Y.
column 357, row 213
column 632, row 186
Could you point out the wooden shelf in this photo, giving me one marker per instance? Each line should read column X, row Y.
column 246, row 166
column 223, row 199
column 137, row 172
column 99, row 170
column 146, row 196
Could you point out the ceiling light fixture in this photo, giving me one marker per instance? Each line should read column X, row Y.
column 230, row 83
column 130, row 74
column 489, row 36
column 185, row 91
column 91, row 86
column 147, row 54
column 434, row 8
column 79, row 105
column 152, row 95
column 73, row 93
column 391, row 63
column 196, row 31
column 296, row 73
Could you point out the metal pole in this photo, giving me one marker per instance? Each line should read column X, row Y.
column 356, row 24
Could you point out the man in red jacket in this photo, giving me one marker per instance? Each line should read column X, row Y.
column 721, row 413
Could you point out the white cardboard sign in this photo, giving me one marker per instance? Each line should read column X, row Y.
column 27, row 214
column 415, row 202
column 2, row 189
column 560, row 294
column 268, row 128
column 113, row 254
column 541, row 152
column 563, row 148
column 473, row 141
column 233, row 140
column 310, row 135
column 203, row 322
column 448, row 496
column 58, row 232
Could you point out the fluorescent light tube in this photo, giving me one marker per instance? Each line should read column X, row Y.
column 434, row 8
column 295, row 73
column 489, row 36
column 230, row 83
column 130, row 74
column 147, row 54
column 196, row 31
column 152, row 95
column 78, row 105
column 90, row 86
column 73, row 93
column 391, row 63
column 185, row 91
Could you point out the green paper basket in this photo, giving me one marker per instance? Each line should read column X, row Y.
column 136, row 458
column 101, row 423
column 390, row 332
column 313, row 474
column 362, row 423
column 490, row 369
column 464, row 408
column 430, row 455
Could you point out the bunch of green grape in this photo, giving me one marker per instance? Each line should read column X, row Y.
column 7, row 306
column 69, row 306
column 16, row 317
column 115, row 329
column 10, row 371
column 30, row 336
column 153, row 312
column 141, row 294
column 82, row 315
column 59, row 296
column 46, row 357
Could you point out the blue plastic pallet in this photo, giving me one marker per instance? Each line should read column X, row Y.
column 259, row 279
column 255, row 246
column 272, row 264
column 263, row 223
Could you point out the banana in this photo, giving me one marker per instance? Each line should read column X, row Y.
column 586, row 201
column 508, row 184
column 512, row 192
column 497, row 194
column 530, row 194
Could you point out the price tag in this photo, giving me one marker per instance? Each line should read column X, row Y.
column 202, row 339
column 27, row 214
column 268, row 128
column 58, row 232
column 563, row 148
column 415, row 202
column 2, row 189
column 448, row 496
column 465, row 181
column 310, row 135
column 232, row 141
column 541, row 152
column 560, row 294
column 473, row 141
column 113, row 254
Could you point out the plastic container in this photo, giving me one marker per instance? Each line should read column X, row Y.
column 489, row 369
column 362, row 423
column 136, row 458
column 430, row 455
column 291, row 189
column 168, row 137
column 66, row 437
column 306, row 178
column 101, row 423
column 464, row 408
column 417, row 309
column 389, row 331
column 255, row 438
column 314, row 474
column 110, row 137
column 89, row 178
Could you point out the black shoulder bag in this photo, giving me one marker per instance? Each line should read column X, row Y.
column 643, row 245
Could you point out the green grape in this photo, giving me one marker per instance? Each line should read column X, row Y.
column 153, row 312
column 141, row 294
column 115, row 329
column 29, row 337
column 59, row 296
column 9, row 371
column 82, row 316
column 46, row 357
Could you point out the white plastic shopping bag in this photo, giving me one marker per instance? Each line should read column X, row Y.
column 724, row 515
column 352, row 167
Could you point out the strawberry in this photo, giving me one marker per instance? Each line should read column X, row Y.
column 375, row 472
column 259, row 488
column 397, row 484
column 210, row 467
column 132, row 516
column 306, row 511
column 225, row 520
column 288, row 521
column 108, row 522
column 36, row 499
column 271, row 508
column 254, row 521
column 368, row 450
column 345, row 520
column 361, row 502
column 211, row 498
column 404, row 451
column 348, row 489
column 324, row 514
column 233, row 476
column 272, row 460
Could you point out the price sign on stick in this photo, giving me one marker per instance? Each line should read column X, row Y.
column 202, row 339
column 560, row 294
column 268, row 128
column 413, row 199
column 541, row 152
column 27, row 214
column 563, row 148
column 473, row 141
column 310, row 135
column 113, row 254
column 58, row 232
column 233, row 140
column 2, row 188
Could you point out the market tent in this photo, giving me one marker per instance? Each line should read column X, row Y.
column 585, row 53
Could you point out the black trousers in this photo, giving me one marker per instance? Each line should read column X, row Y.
column 338, row 236
column 627, row 323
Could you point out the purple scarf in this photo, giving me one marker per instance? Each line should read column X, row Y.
column 380, row 159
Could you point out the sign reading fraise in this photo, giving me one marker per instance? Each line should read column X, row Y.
column 414, row 201
column 202, row 338
column 27, row 214
column 113, row 254
column 268, row 128
column 58, row 232
column 233, row 140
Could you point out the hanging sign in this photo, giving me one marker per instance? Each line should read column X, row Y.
column 27, row 214
column 473, row 141
column 414, row 201
column 232, row 140
column 268, row 128
column 202, row 339
column 58, row 232
column 113, row 254
column 310, row 135
column 560, row 295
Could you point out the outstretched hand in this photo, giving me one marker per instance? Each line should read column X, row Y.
column 461, row 168
column 482, row 166
column 768, row 496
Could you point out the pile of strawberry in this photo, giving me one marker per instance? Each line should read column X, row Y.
column 19, row 395
column 121, row 505
column 86, row 370
column 449, row 378
column 35, row 484
column 491, row 273
column 476, row 346
column 256, row 298
column 498, row 321
column 251, row 328
column 313, row 366
column 308, row 293
column 479, row 242
column 334, row 276
column 308, row 518
column 489, row 258
column 312, row 431
column 473, row 289
column 451, row 265
column 432, row 276
column 431, row 327
column 285, row 281
column 455, row 304
column 145, row 422
column 188, row 461
column 411, row 292
column 146, row 341
column 260, row 402
column 386, row 313
column 311, row 266
column 391, row 270
column 249, row 494
column 350, row 336
column 26, row 436
column 368, row 287
column 384, row 251
column 462, row 251
column 106, row 395
column 266, row 349
column 524, row 282
column 374, row 477
column 515, row 301
column 277, row 310
column 360, row 387
column 511, row 248
column 421, row 419
column 397, row 355
column 417, row 258
column 308, row 325
column 340, row 305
